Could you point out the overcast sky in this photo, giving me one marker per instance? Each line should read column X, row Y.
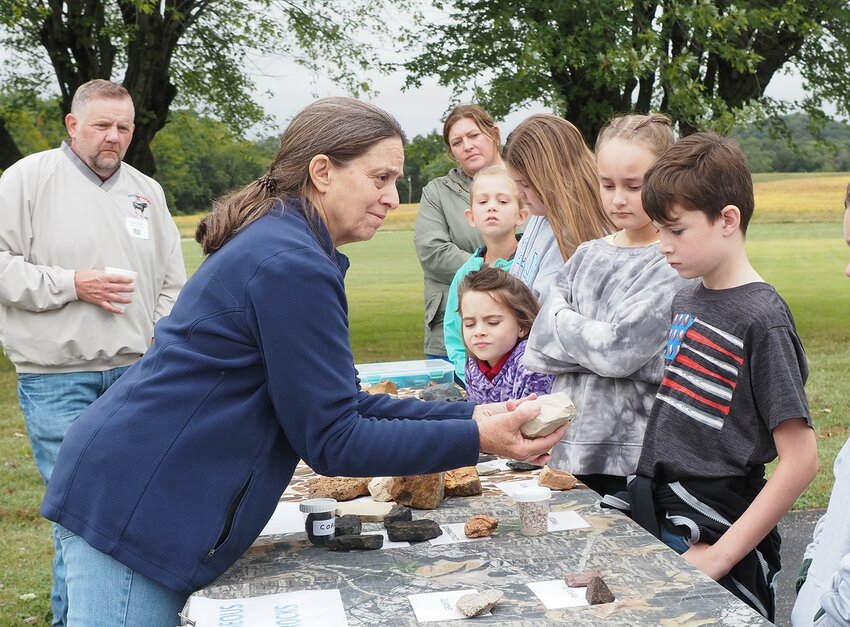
column 419, row 111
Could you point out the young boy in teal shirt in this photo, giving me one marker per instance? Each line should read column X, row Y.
column 731, row 399
column 496, row 211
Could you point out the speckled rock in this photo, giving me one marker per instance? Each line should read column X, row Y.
column 598, row 592
column 478, row 603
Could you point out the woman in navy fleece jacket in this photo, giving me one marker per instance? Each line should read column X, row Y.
column 170, row 476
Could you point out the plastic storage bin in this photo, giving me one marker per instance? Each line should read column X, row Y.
column 407, row 374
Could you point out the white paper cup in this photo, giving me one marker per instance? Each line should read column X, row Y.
column 130, row 273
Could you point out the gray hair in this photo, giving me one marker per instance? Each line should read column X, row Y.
column 97, row 88
column 340, row 128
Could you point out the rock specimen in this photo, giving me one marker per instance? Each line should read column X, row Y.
column 479, row 603
column 579, row 580
column 598, row 592
column 366, row 511
column 420, row 491
column 381, row 489
column 398, row 513
column 413, row 530
column 348, row 526
column 339, row 488
column 486, row 469
column 383, row 387
column 556, row 479
column 555, row 410
column 463, row 482
column 480, row 526
column 522, row 466
column 362, row 543
column 442, row 392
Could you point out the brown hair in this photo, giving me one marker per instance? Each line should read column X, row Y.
column 97, row 88
column 847, row 197
column 483, row 120
column 655, row 131
column 702, row 172
column 505, row 289
column 340, row 128
column 550, row 154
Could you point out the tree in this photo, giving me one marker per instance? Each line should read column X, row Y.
column 425, row 158
column 199, row 159
column 706, row 63
column 180, row 52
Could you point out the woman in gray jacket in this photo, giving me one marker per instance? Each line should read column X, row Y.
column 444, row 239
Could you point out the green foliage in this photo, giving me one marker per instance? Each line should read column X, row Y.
column 198, row 159
column 190, row 53
column 797, row 148
column 706, row 64
column 425, row 158
column 35, row 124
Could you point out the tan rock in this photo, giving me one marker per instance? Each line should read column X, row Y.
column 463, row 482
column 478, row 603
column 381, row 489
column 365, row 510
column 556, row 479
column 480, row 526
column 555, row 410
column 339, row 488
column 383, row 387
column 420, row 491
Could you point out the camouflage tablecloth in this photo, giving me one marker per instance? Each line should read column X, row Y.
column 652, row 584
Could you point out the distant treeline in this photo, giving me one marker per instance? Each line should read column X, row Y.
column 198, row 159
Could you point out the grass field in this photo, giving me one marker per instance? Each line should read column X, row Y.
column 804, row 260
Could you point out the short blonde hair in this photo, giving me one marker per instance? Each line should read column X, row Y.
column 494, row 171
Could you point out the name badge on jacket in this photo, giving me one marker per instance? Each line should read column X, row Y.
column 137, row 227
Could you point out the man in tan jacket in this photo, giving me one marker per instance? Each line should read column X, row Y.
column 72, row 327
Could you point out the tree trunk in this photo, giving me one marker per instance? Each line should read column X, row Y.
column 9, row 151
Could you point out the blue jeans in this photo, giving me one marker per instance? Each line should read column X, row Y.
column 50, row 404
column 675, row 541
column 102, row 592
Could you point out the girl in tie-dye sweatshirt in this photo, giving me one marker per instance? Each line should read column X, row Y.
column 602, row 326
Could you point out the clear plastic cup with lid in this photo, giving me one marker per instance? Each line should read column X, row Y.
column 533, row 508
column 319, row 519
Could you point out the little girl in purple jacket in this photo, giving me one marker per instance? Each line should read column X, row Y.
column 497, row 311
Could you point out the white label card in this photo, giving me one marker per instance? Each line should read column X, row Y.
column 438, row 605
column 137, row 227
column 453, row 533
column 307, row 608
column 556, row 595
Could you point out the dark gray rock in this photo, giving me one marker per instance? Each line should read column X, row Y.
column 598, row 592
column 361, row 543
column 349, row 525
column 413, row 530
column 442, row 392
column 515, row 465
column 398, row 513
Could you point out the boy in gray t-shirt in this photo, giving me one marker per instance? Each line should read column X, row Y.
column 732, row 395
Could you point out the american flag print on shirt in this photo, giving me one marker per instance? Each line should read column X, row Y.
column 701, row 372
